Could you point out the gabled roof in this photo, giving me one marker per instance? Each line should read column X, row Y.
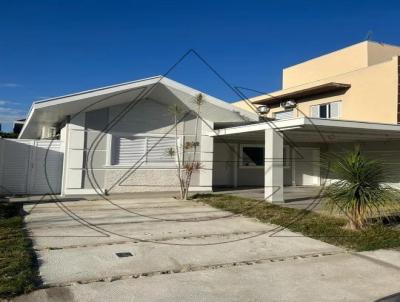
column 55, row 110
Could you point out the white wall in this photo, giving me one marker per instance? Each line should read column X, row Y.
column 86, row 171
column 227, row 171
column 388, row 153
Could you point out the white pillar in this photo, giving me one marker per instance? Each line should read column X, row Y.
column 273, row 179
column 206, row 157
column 74, row 153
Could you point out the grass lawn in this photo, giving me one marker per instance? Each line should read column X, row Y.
column 18, row 273
column 319, row 226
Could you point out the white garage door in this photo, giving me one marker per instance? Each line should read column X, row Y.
column 30, row 166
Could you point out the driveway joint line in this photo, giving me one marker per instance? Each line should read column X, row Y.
column 185, row 237
column 194, row 268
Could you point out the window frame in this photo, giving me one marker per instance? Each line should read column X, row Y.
column 328, row 110
column 286, row 164
column 327, row 107
column 241, row 165
column 145, row 164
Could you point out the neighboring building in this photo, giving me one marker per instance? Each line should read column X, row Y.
column 18, row 124
column 357, row 83
column 114, row 139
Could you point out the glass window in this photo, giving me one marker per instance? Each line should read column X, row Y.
column 329, row 110
column 323, row 111
column 252, row 156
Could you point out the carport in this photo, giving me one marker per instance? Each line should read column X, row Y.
column 293, row 149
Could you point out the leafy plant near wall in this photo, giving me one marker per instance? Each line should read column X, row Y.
column 359, row 191
column 186, row 154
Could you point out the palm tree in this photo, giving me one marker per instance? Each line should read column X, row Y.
column 359, row 190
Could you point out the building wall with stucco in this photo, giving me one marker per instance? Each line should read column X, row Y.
column 372, row 70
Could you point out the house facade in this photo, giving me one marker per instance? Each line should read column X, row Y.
column 114, row 139
column 357, row 83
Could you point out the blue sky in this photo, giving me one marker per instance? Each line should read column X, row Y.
column 51, row 48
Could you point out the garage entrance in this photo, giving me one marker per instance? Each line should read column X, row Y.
column 293, row 150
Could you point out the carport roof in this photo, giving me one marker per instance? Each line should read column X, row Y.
column 305, row 129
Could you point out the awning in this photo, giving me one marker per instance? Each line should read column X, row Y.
column 305, row 129
column 299, row 93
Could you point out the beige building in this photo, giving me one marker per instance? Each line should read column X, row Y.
column 356, row 83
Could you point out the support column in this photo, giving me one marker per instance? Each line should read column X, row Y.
column 74, row 154
column 273, row 173
column 206, row 157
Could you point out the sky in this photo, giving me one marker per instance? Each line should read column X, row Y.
column 52, row 48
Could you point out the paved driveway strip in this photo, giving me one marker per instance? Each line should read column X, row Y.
column 342, row 277
column 183, row 243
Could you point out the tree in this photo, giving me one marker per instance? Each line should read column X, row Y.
column 187, row 162
column 359, row 191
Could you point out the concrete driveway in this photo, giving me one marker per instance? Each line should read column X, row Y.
column 188, row 251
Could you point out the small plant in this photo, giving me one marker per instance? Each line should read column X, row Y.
column 187, row 163
column 359, row 191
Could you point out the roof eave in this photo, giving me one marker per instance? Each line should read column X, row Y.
column 303, row 93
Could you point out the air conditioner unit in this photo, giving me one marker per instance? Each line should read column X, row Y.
column 289, row 104
column 263, row 109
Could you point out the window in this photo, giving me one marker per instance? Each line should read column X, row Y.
column 281, row 115
column 129, row 151
column 287, row 160
column 254, row 156
column 328, row 110
column 251, row 156
column 49, row 132
column 323, row 111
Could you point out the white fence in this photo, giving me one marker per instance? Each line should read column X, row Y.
column 30, row 166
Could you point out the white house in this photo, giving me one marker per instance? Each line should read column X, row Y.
column 114, row 139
